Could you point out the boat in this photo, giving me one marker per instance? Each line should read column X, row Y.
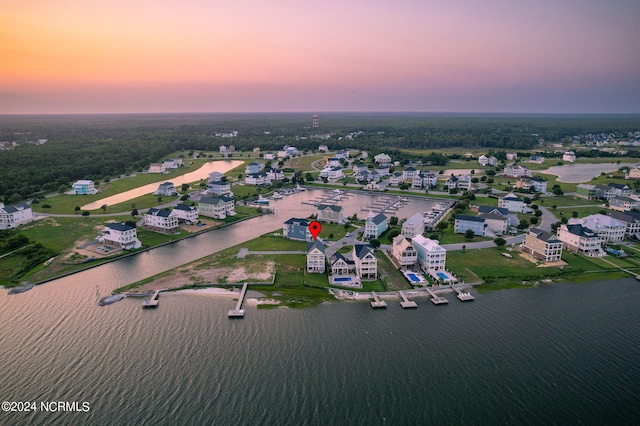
column 261, row 200
column 299, row 188
column 111, row 299
column 337, row 191
column 277, row 196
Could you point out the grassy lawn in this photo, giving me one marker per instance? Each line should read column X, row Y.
column 582, row 211
column 269, row 242
column 389, row 274
column 304, row 163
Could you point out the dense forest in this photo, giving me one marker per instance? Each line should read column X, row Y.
column 100, row 146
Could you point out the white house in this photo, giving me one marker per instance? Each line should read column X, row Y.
column 333, row 162
column 431, row 255
column 396, row 179
column 217, row 207
column 580, row 240
column 274, row 175
column 569, row 156
column 496, row 223
column 512, row 156
column 84, row 187
column 375, row 225
column 365, row 261
column 161, row 220
column 632, row 222
column 413, row 226
column 483, row 160
column 382, row 159
column 12, row 216
column 257, row 179
column 513, row 203
column 218, row 188
column 172, row 163
column 517, row 171
column 166, row 189
column 121, row 235
column 542, row 245
column 611, row 230
column 409, row 173
column 185, row 214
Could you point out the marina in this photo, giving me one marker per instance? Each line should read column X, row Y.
column 385, row 204
column 333, row 197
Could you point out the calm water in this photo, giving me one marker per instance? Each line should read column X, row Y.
column 562, row 353
column 577, row 173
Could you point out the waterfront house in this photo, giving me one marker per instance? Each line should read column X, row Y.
column 483, row 160
column 121, row 235
column 403, row 252
column 157, row 168
column 623, row 203
column 569, row 156
column 542, row 245
column 587, row 191
column 215, row 177
column 382, row 171
column 631, row 221
column 634, row 172
column 161, row 220
column 269, row 156
column 257, row 179
column 14, row 215
column 365, row 261
column 359, row 169
column 417, row 181
column 452, row 183
column 611, row 230
column 166, row 189
column 274, row 174
column 413, row 226
column 621, row 189
column 511, row 156
column 464, row 223
column 431, row 255
column 297, row 229
column 84, row 187
column 493, row 161
column 330, row 213
column 580, row 240
column 332, row 174
column 185, row 214
column 316, row 258
column 536, row 159
column 382, row 159
column 464, row 183
column 513, row 203
column 375, row 225
column 341, row 265
column 517, row 171
column 218, row 188
column 605, row 191
column 217, row 207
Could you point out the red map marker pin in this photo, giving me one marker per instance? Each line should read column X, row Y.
column 315, row 228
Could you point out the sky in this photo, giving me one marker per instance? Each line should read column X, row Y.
column 123, row 56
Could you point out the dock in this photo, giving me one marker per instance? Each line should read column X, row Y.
column 238, row 312
column 435, row 299
column 377, row 303
column 406, row 303
column 465, row 297
column 151, row 302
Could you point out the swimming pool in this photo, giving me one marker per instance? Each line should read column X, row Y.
column 443, row 276
column 342, row 280
column 413, row 277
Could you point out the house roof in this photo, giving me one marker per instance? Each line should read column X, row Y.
column 618, row 185
column 627, row 217
column 496, row 210
column 184, row 207
column 119, row 226
column 429, row 244
column 544, row 235
column 416, row 220
column 330, row 207
column 219, row 183
column 337, row 256
column 577, row 229
column 297, row 221
column 214, row 200
column 492, row 216
column 402, row 243
column 316, row 244
column 362, row 250
column 378, row 219
column 512, row 197
column 159, row 212
column 470, row 218
column 15, row 208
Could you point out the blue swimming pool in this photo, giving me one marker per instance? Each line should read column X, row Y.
column 342, row 280
column 443, row 276
column 413, row 277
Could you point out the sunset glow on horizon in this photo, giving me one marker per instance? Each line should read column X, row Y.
column 284, row 55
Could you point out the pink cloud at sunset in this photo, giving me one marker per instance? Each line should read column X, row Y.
column 284, row 55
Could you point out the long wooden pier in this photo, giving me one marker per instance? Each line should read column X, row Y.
column 406, row 303
column 238, row 312
column 151, row 302
column 377, row 303
column 435, row 299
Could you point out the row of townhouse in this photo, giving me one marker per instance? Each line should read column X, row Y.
column 517, row 171
column 361, row 262
column 461, row 182
column 14, row 215
column 603, row 191
column 425, row 253
column 483, row 160
column 167, row 221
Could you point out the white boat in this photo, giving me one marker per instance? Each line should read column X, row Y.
column 277, row 196
column 261, row 200
column 337, row 191
column 299, row 188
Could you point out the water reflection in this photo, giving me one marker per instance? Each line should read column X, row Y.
column 202, row 173
column 578, row 173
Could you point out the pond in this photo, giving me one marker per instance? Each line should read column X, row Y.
column 579, row 173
